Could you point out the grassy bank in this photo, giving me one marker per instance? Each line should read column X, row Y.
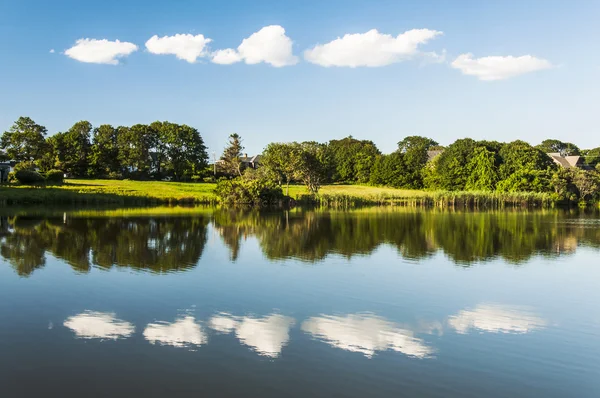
column 158, row 192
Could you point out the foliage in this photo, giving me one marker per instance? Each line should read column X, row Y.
column 104, row 160
column 415, row 157
column 526, row 180
column 452, row 171
column 482, row 169
column 391, row 170
column 279, row 160
column 29, row 177
column 587, row 183
column 24, row 141
column 311, row 163
column 518, row 156
column 28, row 165
column 55, row 176
column 556, row 146
column 352, row 159
column 230, row 160
column 251, row 188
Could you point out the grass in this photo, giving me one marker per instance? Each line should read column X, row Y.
column 125, row 192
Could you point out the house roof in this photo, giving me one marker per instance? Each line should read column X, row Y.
column 565, row 161
column 433, row 154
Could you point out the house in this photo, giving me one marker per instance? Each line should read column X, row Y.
column 251, row 161
column 567, row 162
column 433, row 154
column 5, row 169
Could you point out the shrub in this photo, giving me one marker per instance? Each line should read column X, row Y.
column 113, row 175
column 29, row 177
column 29, row 166
column 55, row 177
column 244, row 190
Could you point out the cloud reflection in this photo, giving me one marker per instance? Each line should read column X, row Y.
column 267, row 335
column 184, row 332
column 496, row 318
column 99, row 325
column 365, row 333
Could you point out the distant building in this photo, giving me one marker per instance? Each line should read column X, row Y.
column 5, row 169
column 432, row 154
column 251, row 161
column 567, row 162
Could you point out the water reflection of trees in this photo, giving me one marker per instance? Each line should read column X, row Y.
column 171, row 243
column 158, row 244
column 465, row 237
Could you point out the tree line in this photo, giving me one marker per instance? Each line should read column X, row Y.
column 142, row 151
column 168, row 150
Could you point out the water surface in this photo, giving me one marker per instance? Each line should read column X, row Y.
column 379, row 303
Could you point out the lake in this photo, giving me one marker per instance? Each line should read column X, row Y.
column 367, row 303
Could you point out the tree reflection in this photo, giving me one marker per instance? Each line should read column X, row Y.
column 158, row 244
column 174, row 242
column 465, row 237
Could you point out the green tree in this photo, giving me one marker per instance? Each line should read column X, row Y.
column 181, row 149
column 352, row 159
column 77, row 149
column 587, row 183
column 519, row 155
column 135, row 146
column 104, row 160
column 415, row 150
column 451, row 170
column 24, row 141
column 311, row 164
column 391, row 170
column 483, row 168
column 230, row 160
column 556, row 146
column 279, row 159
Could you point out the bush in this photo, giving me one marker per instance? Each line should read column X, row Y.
column 244, row 190
column 29, row 177
column 113, row 175
column 55, row 177
column 28, row 166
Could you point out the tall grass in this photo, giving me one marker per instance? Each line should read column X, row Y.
column 440, row 199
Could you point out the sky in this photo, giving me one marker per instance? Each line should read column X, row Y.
column 307, row 70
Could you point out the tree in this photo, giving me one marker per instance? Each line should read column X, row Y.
column 104, row 159
column 483, row 167
column 24, row 141
column 586, row 183
column 519, row 155
column 181, row 148
column 230, row 160
column 556, row 146
column 135, row 147
column 352, row 159
column 77, row 149
column 452, row 172
column 391, row 170
column 280, row 160
column 311, row 164
column 415, row 150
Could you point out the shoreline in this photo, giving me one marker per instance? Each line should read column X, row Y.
column 149, row 193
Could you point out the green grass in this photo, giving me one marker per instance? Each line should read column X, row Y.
column 125, row 192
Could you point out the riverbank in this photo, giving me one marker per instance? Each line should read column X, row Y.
column 125, row 192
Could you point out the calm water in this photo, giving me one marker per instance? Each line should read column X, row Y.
column 202, row 302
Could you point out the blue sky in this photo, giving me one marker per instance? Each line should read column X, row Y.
column 413, row 92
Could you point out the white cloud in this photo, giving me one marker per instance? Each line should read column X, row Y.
column 267, row 335
column 51, row 51
column 184, row 46
column 269, row 45
column 99, row 325
column 183, row 332
column 369, row 49
column 498, row 67
column 365, row 333
column 100, row 51
column 495, row 318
